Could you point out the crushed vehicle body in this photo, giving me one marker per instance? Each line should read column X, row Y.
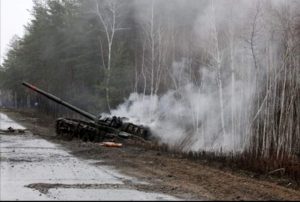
column 97, row 128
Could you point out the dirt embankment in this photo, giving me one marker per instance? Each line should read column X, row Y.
column 170, row 173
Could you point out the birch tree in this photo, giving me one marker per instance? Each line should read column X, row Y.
column 109, row 13
column 217, row 55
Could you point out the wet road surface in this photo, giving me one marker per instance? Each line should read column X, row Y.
column 32, row 168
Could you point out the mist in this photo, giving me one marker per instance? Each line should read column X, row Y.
column 189, row 118
column 214, row 110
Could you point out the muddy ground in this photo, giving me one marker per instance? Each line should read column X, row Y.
column 169, row 173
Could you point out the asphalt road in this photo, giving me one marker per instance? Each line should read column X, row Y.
column 32, row 168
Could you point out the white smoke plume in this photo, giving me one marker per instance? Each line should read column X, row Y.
column 189, row 115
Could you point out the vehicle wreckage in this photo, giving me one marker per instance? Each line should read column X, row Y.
column 97, row 128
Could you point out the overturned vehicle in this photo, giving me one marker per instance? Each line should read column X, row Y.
column 97, row 128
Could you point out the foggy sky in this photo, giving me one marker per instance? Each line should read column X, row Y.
column 14, row 15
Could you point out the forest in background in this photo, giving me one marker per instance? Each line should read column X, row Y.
column 216, row 76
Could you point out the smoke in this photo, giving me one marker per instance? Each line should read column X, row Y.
column 215, row 112
column 187, row 118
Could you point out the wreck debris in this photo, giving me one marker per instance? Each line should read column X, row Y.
column 111, row 144
column 97, row 128
column 11, row 130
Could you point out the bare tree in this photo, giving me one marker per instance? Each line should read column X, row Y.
column 217, row 55
column 109, row 13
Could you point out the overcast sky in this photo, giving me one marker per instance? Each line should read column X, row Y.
column 14, row 15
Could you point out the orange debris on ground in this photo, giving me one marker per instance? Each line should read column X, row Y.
column 111, row 144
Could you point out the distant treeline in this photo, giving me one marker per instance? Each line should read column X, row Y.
column 95, row 53
column 63, row 51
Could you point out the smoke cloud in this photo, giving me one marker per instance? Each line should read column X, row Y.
column 215, row 113
column 189, row 117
